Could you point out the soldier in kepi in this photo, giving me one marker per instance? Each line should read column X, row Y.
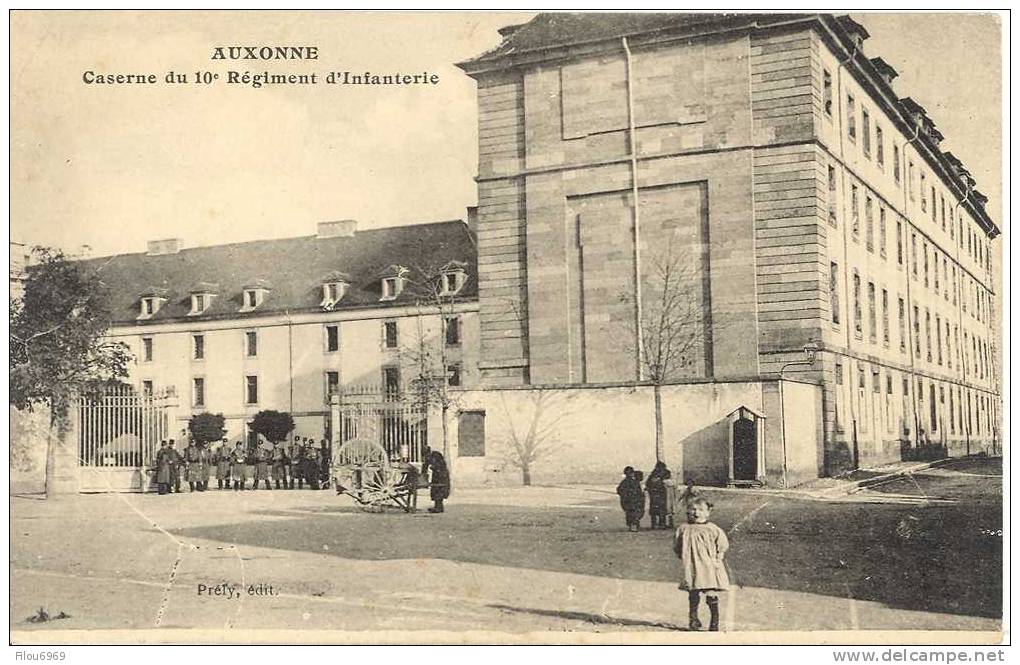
column 237, row 466
column 163, row 469
column 293, row 455
column 262, row 457
column 279, row 468
column 176, row 462
column 325, row 462
column 196, row 473
column 223, row 465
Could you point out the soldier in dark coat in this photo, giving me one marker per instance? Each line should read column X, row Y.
column 176, row 465
column 262, row 458
column 163, row 469
column 223, row 465
column 632, row 498
column 208, row 460
column 195, row 470
column 439, row 486
column 237, row 466
column 655, row 486
column 310, row 467
column 279, row 466
column 325, row 463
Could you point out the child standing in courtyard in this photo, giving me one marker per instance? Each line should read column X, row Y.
column 632, row 498
column 701, row 546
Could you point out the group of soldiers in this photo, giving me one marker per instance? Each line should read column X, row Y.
column 233, row 467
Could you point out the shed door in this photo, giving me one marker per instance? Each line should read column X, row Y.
column 745, row 450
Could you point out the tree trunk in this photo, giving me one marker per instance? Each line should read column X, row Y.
column 56, row 438
column 526, row 475
column 659, row 452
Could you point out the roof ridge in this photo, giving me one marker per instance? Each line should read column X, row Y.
column 269, row 240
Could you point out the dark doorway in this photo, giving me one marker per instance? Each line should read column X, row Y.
column 745, row 450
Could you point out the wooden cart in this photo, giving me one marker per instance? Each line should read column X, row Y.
column 362, row 470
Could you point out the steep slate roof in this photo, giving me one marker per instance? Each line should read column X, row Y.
column 295, row 268
column 550, row 30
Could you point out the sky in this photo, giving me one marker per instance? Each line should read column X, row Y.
column 115, row 166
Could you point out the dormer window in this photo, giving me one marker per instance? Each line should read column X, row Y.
column 391, row 287
column 452, row 281
column 253, row 295
column 151, row 301
column 201, row 298
column 334, row 288
column 393, row 282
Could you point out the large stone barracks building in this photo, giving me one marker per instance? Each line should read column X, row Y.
column 812, row 201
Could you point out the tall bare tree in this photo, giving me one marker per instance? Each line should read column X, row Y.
column 436, row 290
column 673, row 324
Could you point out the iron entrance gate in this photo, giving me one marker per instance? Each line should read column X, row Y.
column 119, row 432
column 399, row 426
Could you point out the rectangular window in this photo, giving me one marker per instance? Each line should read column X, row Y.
column 198, row 347
column 471, row 434
column 881, row 230
column 332, row 384
column 903, row 325
column 147, row 306
column 390, row 334
column 147, row 349
column 866, row 132
column 910, row 179
column 869, row 225
column 927, row 333
column 913, row 254
column 251, row 389
column 851, row 118
column 452, row 326
column 924, row 196
column 935, row 272
column 391, row 382
column 872, row 319
column 934, row 217
column 917, row 332
column 899, row 242
column 954, row 285
column 857, row 303
column 147, row 388
column 834, row 291
column 198, row 391
column 952, row 224
column 896, row 163
column 453, row 375
column 832, row 195
column 827, row 92
column 945, row 276
column 924, row 248
column 855, row 226
column 938, row 339
column 942, row 206
column 879, row 146
column 251, row 343
column 876, row 381
column 885, row 317
column 949, row 349
column 332, row 338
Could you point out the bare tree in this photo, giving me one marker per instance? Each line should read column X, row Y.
column 673, row 324
column 531, row 435
column 435, row 290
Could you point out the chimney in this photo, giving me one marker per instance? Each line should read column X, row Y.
column 165, row 246
column 472, row 219
column 343, row 228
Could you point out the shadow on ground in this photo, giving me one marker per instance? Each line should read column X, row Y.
column 934, row 558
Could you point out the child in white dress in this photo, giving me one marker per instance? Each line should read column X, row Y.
column 701, row 546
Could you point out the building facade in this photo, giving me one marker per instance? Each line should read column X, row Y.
column 283, row 324
column 812, row 204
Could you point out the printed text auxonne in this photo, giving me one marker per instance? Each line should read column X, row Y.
column 265, row 53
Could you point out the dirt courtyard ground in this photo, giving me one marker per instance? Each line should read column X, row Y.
column 920, row 553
